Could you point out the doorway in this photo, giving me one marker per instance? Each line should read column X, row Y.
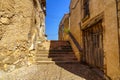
column 93, row 45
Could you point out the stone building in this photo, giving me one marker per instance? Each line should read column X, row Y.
column 22, row 25
column 64, row 27
column 94, row 34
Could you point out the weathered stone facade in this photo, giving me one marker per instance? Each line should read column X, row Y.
column 94, row 34
column 22, row 24
column 64, row 28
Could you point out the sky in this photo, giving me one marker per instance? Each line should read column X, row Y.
column 55, row 11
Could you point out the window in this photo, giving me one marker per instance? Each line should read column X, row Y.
column 85, row 8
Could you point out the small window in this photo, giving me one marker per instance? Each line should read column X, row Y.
column 86, row 12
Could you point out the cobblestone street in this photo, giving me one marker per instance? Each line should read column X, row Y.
column 52, row 72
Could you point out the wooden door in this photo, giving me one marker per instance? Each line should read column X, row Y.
column 93, row 45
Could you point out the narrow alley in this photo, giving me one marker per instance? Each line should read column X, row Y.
column 59, row 39
column 55, row 60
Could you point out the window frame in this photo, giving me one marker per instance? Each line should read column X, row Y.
column 85, row 10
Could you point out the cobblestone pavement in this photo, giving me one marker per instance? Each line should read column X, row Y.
column 51, row 72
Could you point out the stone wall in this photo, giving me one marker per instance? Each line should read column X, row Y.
column 75, row 26
column 20, row 20
column 111, row 43
column 64, row 28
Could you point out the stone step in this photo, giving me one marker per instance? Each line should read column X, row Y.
column 56, row 62
column 61, row 50
column 56, row 41
column 56, row 50
column 54, row 55
column 69, row 48
column 62, row 46
column 66, row 47
column 54, row 59
column 54, row 44
column 59, row 44
column 51, row 44
column 52, row 52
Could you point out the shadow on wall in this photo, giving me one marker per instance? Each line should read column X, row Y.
column 75, row 42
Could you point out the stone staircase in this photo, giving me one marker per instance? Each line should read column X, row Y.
column 55, row 52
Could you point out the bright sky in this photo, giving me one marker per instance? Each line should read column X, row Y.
column 55, row 11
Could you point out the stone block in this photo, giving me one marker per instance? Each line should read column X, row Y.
column 5, row 21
